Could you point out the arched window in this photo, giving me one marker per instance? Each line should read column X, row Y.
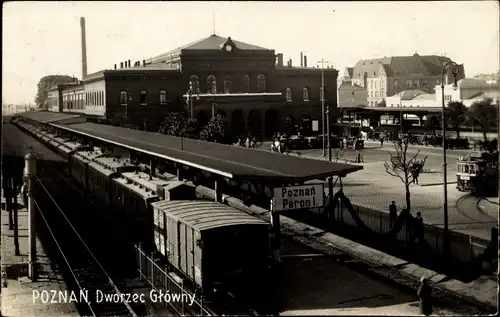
column 227, row 84
column 194, row 84
column 123, row 98
column 143, row 97
column 211, row 84
column 305, row 94
column 163, row 97
column 288, row 94
column 246, row 83
column 261, row 83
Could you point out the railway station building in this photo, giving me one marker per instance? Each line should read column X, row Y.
column 248, row 85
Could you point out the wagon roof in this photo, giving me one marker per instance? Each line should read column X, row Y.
column 204, row 215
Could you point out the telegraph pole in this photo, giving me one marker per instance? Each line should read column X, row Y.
column 323, row 62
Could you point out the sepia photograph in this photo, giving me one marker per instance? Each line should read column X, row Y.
column 250, row 158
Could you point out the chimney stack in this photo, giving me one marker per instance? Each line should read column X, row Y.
column 144, row 63
column 301, row 59
column 84, row 48
column 290, row 62
column 129, row 63
column 280, row 59
column 115, row 66
column 121, row 64
column 305, row 61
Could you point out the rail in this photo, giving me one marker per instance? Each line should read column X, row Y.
column 109, row 280
column 182, row 301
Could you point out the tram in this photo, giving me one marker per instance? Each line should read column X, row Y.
column 478, row 173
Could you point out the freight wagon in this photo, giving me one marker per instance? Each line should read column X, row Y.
column 212, row 244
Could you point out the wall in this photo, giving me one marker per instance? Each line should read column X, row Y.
column 53, row 100
column 95, row 97
column 352, row 96
column 133, row 82
column 72, row 98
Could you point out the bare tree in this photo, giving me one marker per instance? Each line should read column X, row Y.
column 404, row 166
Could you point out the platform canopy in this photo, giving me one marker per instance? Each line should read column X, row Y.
column 226, row 160
column 46, row 117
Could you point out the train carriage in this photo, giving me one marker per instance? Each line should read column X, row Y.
column 79, row 165
column 213, row 244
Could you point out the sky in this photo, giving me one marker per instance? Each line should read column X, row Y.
column 43, row 38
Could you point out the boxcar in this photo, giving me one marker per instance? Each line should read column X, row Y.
column 212, row 244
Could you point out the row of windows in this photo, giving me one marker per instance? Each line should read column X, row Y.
column 376, row 94
column 305, row 94
column 397, row 106
column 143, row 97
column 211, row 82
column 95, row 98
column 447, row 97
column 412, row 83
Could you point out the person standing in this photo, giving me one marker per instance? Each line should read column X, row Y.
column 393, row 214
column 424, row 294
column 419, row 228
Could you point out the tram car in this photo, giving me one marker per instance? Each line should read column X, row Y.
column 212, row 244
column 478, row 173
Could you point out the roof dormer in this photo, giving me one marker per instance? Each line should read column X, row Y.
column 228, row 46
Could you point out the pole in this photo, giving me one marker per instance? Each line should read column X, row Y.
column 401, row 112
column 323, row 105
column 275, row 226
column 30, row 173
column 328, row 132
column 17, row 251
column 446, row 240
column 191, row 99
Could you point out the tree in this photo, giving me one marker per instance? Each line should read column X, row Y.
column 382, row 103
column 432, row 122
column 215, row 130
column 176, row 124
column 483, row 114
column 119, row 119
column 44, row 85
column 456, row 116
column 404, row 166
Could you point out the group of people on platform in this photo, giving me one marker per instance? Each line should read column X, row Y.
column 249, row 142
column 414, row 225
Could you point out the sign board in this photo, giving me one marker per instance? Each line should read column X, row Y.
column 298, row 197
column 315, row 125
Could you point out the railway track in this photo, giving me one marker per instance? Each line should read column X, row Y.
column 90, row 257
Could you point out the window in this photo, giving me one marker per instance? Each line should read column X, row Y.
column 396, row 83
column 371, row 84
column 376, row 94
column 288, row 94
column 321, row 93
column 261, row 83
column 305, row 94
column 163, row 97
column 408, row 83
column 227, row 84
column 103, row 98
column 246, row 83
column 417, row 83
column 143, row 97
column 194, row 84
column 371, row 94
column 211, row 84
column 123, row 98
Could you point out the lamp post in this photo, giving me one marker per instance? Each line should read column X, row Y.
column 446, row 238
column 401, row 112
column 323, row 62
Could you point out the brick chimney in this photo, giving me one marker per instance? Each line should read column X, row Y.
column 305, row 61
column 115, row 66
column 129, row 63
column 143, row 62
column 84, row 48
column 121, row 64
column 301, row 59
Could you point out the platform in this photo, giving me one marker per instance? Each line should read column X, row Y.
column 17, row 296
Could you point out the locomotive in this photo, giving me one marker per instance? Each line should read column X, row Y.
column 478, row 173
column 218, row 251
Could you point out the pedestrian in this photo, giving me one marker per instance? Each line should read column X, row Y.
column 393, row 214
column 381, row 141
column 418, row 228
column 424, row 294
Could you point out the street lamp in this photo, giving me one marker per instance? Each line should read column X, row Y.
column 323, row 62
column 190, row 97
column 446, row 240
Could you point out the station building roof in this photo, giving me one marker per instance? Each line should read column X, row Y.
column 52, row 117
column 225, row 160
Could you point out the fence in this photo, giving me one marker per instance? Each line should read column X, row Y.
column 464, row 248
column 180, row 300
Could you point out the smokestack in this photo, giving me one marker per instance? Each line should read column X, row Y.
column 305, row 61
column 301, row 59
column 84, row 48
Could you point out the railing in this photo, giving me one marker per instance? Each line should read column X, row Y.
column 464, row 248
column 180, row 300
